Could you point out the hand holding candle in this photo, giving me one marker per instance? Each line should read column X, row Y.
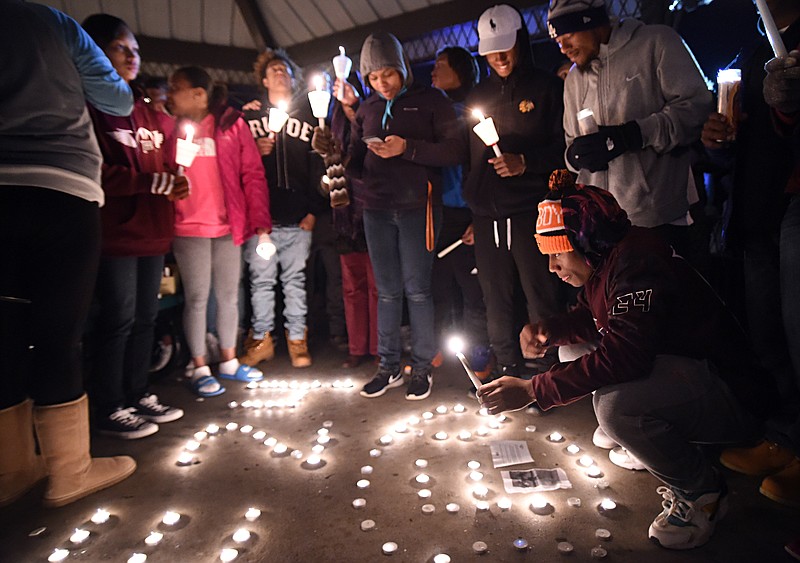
column 456, row 345
column 486, row 130
column 341, row 66
column 320, row 100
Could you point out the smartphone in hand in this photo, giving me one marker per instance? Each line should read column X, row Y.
column 370, row 140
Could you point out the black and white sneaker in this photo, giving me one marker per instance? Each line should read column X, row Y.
column 386, row 378
column 125, row 424
column 420, row 385
column 149, row 408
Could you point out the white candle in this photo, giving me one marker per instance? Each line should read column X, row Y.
column 521, row 544
column 441, row 435
column 277, row 119
column 320, row 100
column 400, row 428
column 482, row 505
column 362, row 484
column 773, row 34
column 487, row 132
column 464, row 435
column 375, row 452
column 413, row 420
column 313, row 460
column 504, row 503
column 480, row 547
column 324, row 439
column 323, row 432
column 212, row 428
column 422, row 478
column 480, row 491
column 474, row 464
column 482, row 431
column 573, row 449
column 476, row 475
column 228, row 554
column 341, row 66
column 594, row 471
column 79, row 535
column 154, row 538
column 428, row 509
column 538, row 502
column 586, row 461
column 170, row 518
column 441, row 558
column 359, row 503
column 58, row 555
column 452, row 507
column 101, row 516
column 246, row 429
column 386, row 439
column 459, row 408
column 607, row 504
column 427, row 415
column 280, row 448
column 260, row 435
column 137, row 558
column 424, row 493
column 367, row 525
column 555, row 437
column 241, row 535
column 185, row 458
column 441, row 409
column 389, row 547
column 367, row 470
column 317, row 449
column 200, row 436
column 421, row 463
column 252, row 514
column 271, row 441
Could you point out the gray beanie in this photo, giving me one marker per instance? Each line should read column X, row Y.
column 382, row 50
column 569, row 16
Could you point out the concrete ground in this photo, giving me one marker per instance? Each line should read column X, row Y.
column 307, row 514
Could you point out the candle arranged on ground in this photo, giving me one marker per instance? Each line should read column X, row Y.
column 320, row 100
column 341, row 66
column 101, row 516
column 487, row 132
column 252, row 514
column 278, row 117
column 170, row 518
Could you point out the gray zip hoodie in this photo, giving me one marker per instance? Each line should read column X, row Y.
column 647, row 74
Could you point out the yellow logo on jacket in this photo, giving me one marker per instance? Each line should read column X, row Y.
column 526, row 105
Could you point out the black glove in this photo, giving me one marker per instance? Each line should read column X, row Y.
column 594, row 152
column 782, row 83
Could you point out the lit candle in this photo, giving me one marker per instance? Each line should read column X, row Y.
column 459, row 408
column 573, row 449
column 424, row 493
column 374, row 452
column 607, row 505
column 441, row 558
column 317, row 449
column 441, row 435
column 482, row 431
column 359, row 503
column 465, row 435
column 483, row 411
column 228, row 554
column 400, row 428
column 574, row 502
column 456, row 345
column 386, row 439
column 441, row 409
column 185, row 458
column 482, row 505
column 362, row 483
column 241, row 535
column 212, row 428
column 599, row 552
column 474, row 464
column 320, row 100
column 428, row 509
column 413, row 420
column 480, row 491
column 521, row 544
column 427, row 415
column 341, row 66
column 530, row 428
column 200, row 436
column 154, row 538
column 58, row 555
column 539, row 504
column 389, row 547
column 271, row 441
column 277, row 119
column 79, row 536
column 773, row 34
column 586, row 461
column 564, row 547
column 594, row 471
column 452, row 507
column 246, row 429
column 422, row 478
column 186, row 150
column 555, row 437
column 313, row 460
column 252, row 514
column 137, row 558
column 324, row 439
column 421, row 463
column 101, row 516
column 504, row 503
column 170, row 518
column 476, row 475
column 327, row 423
column 280, row 448
column 487, row 132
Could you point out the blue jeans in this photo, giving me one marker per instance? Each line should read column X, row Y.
column 400, row 261
column 127, row 292
column 293, row 245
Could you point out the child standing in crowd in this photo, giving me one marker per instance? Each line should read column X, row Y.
column 229, row 204
column 137, row 230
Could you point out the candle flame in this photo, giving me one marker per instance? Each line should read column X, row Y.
column 479, row 114
column 283, row 105
column 341, row 50
column 318, row 82
column 455, row 344
column 189, row 130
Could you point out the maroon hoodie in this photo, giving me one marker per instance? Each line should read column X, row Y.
column 135, row 222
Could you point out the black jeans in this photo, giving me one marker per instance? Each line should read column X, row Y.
column 127, row 295
column 49, row 248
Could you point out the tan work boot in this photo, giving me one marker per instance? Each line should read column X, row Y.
column 20, row 467
column 63, row 432
column 784, row 486
column 298, row 351
column 256, row 351
column 762, row 459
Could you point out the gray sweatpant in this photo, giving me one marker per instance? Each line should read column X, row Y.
column 202, row 261
column 661, row 419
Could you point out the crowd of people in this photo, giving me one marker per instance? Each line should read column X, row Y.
column 592, row 179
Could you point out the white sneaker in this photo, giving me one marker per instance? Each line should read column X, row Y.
column 623, row 458
column 602, row 440
column 685, row 522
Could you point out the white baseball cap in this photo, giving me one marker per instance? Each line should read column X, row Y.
column 497, row 29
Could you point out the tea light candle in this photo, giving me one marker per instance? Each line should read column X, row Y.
column 530, row 428
column 79, row 535
column 483, row 411
column 441, row 409
column 251, row 385
column 413, row 420
column 494, row 424
column 521, row 544
column 482, row 431
column 421, row 463
column 362, row 483
column 200, row 436
column 424, row 493
column 170, row 518
column 317, row 449
column 324, row 439
column 594, row 471
column 555, row 437
column 607, row 505
column 586, row 461
column 359, row 503
column 480, row 547
column 241, row 535
column 427, row 415
column 185, row 458
column 260, row 435
column 482, row 505
column 137, row 558
column 212, row 428
column 599, row 552
column 367, row 525
column 327, row 423
column 154, row 538
column 389, row 548
column 58, row 555
column 101, row 516
column 441, row 558
column 459, row 408
column 313, row 460
column 192, row 445
column 422, row 478
column 504, row 503
column 231, row 426
column 452, row 507
column 374, row 453
column 564, row 547
column 476, row 475
column 480, row 491
column 602, row 534
column 465, row 435
column 228, row 554
column 271, row 441
column 574, row 502
column 246, row 429
column 252, row 514
column 573, row 449
column 367, row 470
column 386, row 439
column 474, row 464
column 441, row 435
column 400, row 428
column 280, row 448
column 539, row 504
column 428, row 509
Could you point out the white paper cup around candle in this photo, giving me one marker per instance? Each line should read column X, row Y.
column 277, row 118
column 341, row 67
column 586, row 122
column 186, row 152
column 729, row 81
column 487, row 132
column 320, row 100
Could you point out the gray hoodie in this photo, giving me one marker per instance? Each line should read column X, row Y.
column 647, row 74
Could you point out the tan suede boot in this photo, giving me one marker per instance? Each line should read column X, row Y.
column 256, row 351
column 298, row 351
column 20, row 467
column 63, row 432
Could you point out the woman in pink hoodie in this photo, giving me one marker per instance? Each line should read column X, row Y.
column 229, row 203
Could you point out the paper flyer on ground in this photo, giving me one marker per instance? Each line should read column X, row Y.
column 531, row 480
column 510, row 452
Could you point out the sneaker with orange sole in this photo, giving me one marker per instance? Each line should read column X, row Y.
column 763, row 459
column 784, row 487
